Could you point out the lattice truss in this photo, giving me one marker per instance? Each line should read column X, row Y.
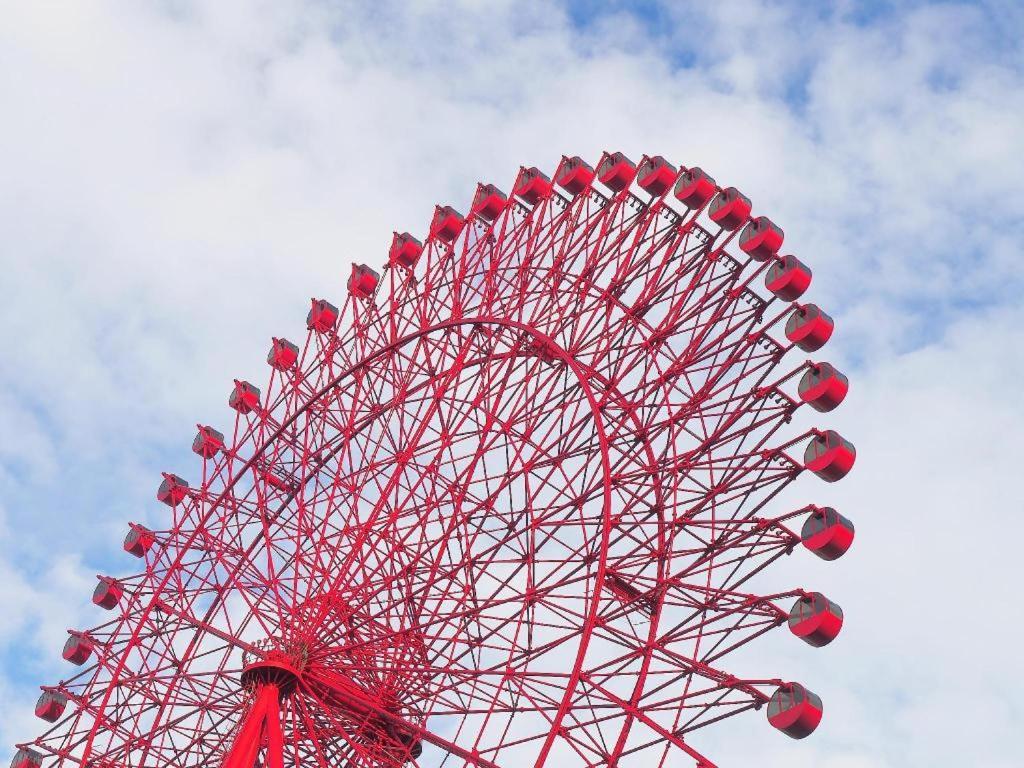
column 511, row 497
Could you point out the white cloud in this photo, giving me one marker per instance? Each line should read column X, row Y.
column 179, row 178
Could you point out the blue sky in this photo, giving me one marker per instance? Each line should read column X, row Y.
column 178, row 178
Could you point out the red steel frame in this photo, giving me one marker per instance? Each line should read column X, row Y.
column 506, row 513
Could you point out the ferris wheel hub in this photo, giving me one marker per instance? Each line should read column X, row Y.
column 276, row 668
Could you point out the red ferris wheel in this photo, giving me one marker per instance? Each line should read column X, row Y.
column 501, row 507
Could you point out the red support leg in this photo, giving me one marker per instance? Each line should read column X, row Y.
column 264, row 719
column 275, row 738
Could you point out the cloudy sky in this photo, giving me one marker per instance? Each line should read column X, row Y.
column 178, row 178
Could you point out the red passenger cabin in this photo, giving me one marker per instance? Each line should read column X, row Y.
column 107, row 593
column 51, row 705
column 815, row 619
column 794, row 710
column 26, row 758
column 761, row 238
column 282, row 355
column 809, row 327
column 788, row 278
column 616, row 171
column 730, row 208
column 172, row 490
column 245, row 397
column 694, row 188
column 322, row 316
column 573, row 174
column 447, row 223
column 656, row 175
column 139, row 540
column 363, row 281
column 827, row 533
column 823, row 387
column 405, row 250
column 208, row 442
column 77, row 649
column 488, row 201
column 532, row 185
column 830, row 456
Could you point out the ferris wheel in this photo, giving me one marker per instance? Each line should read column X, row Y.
column 503, row 505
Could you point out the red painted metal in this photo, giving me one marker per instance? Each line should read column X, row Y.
column 51, row 705
column 139, row 540
column 363, row 281
column 261, row 727
column 107, row 593
column 447, row 223
column 827, row 534
column 788, row 278
column 173, row 489
column 694, row 188
column 573, row 174
column 27, row 758
column 794, row 710
column 77, row 648
column 245, row 397
column 504, row 510
column 322, row 316
column 616, row 171
column 809, row 327
column 630, row 595
column 729, row 209
column 208, row 441
column 656, row 175
column 761, row 238
column 405, row 250
column 829, row 455
column 532, row 185
column 282, row 355
column 815, row 619
column 823, row 387
column 488, row 201
column 278, row 478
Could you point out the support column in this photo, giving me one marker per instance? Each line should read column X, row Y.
column 261, row 723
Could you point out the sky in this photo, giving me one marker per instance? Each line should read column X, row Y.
column 178, row 178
